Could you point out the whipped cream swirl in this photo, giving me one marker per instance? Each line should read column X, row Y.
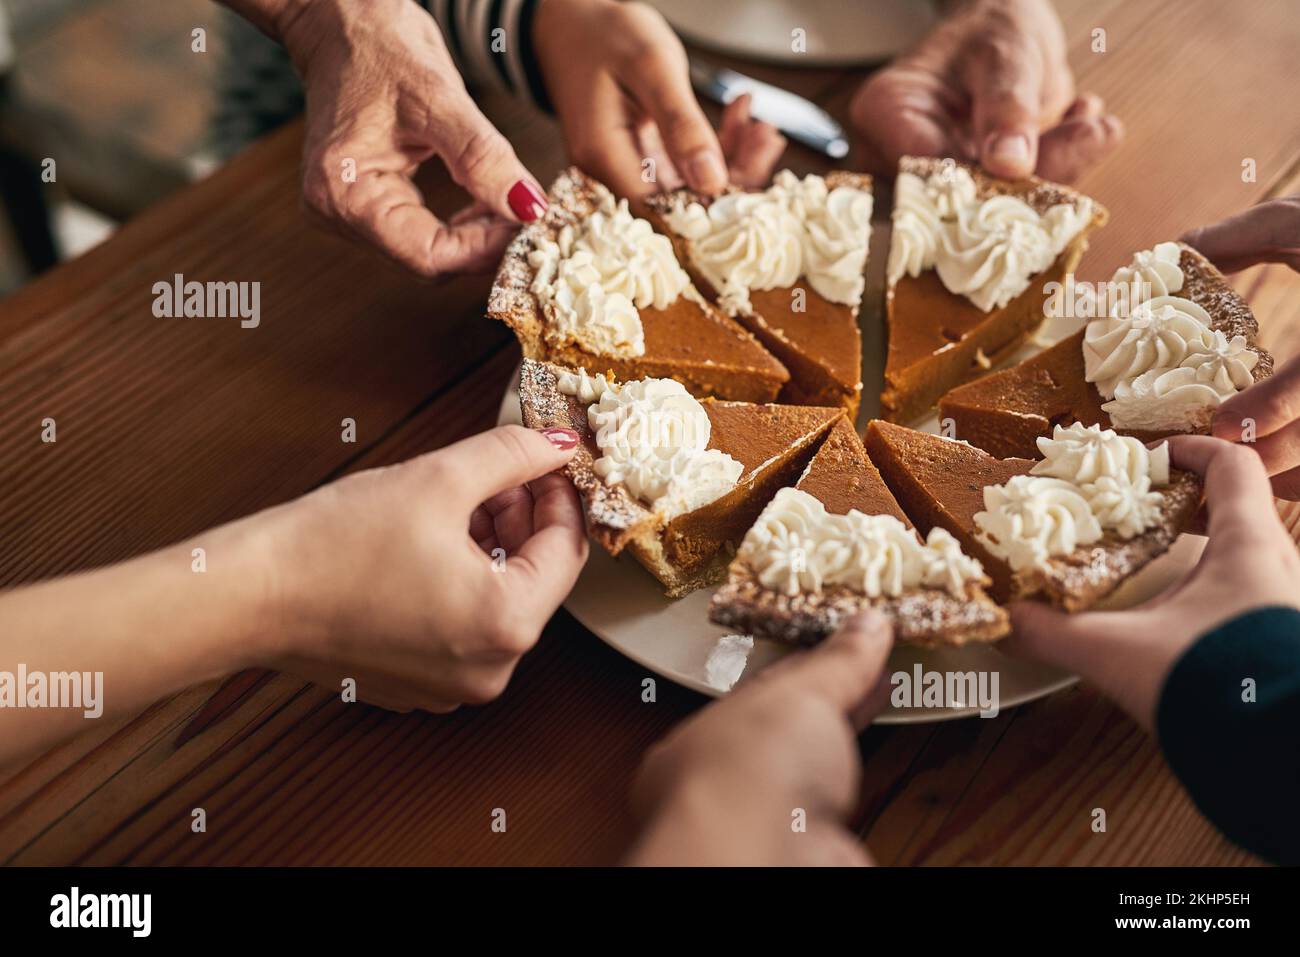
column 1152, row 272
column 1090, row 481
column 796, row 547
column 1158, row 334
column 1160, row 362
column 592, row 280
column 767, row 240
column 653, row 437
column 1083, row 454
column 985, row 249
column 1184, row 398
column 1033, row 518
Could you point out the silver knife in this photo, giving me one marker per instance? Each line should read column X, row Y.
column 796, row 117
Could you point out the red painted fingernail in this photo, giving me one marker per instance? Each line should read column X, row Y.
column 526, row 201
column 561, row 438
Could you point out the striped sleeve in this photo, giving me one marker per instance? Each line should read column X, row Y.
column 491, row 42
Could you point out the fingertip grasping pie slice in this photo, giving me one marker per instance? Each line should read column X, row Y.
column 674, row 479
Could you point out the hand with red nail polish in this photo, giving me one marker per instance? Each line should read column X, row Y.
column 423, row 583
column 625, row 103
column 383, row 96
column 990, row 84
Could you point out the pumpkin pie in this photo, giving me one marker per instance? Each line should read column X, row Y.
column 787, row 262
column 1068, row 528
column 673, row 479
column 1005, row 412
column 970, row 259
column 838, row 543
column 589, row 285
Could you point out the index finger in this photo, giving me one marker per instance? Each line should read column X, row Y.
column 386, row 209
column 547, row 564
column 602, row 142
column 1266, row 232
column 1270, row 403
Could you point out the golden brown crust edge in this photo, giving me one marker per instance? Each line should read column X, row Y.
column 928, row 618
column 1040, row 194
column 1231, row 315
column 614, row 517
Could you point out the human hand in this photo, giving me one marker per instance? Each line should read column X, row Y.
column 618, row 78
column 990, row 84
column 383, row 96
column 427, row 581
column 1266, row 233
column 727, row 786
column 1250, row 561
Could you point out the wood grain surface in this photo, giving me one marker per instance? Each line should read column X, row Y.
column 167, row 427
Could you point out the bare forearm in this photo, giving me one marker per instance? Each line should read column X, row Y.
column 127, row 635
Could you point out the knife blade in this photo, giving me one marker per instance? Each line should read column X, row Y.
column 796, row 117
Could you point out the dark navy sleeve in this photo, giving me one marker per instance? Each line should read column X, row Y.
column 1228, row 720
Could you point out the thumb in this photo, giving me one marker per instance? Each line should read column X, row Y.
column 847, row 667
column 1005, row 85
column 483, row 465
column 483, row 162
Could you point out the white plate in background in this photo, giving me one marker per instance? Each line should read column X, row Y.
column 836, row 32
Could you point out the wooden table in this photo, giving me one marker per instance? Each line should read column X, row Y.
column 167, row 427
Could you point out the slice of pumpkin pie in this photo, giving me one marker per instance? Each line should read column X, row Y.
column 673, row 479
column 1068, row 528
column 970, row 260
column 1173, row 340
column 787, row 262
column 589, row 285
column 838, row 543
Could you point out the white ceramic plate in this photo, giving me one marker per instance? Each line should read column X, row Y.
column 623, row 604
column 835, row 31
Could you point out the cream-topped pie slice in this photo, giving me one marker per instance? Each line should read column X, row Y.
column 673, row 479
column 1171, row 341
column 970, row 262
column 838, row 543
column 787, row 262
column 590, row 285
column 1068, row 528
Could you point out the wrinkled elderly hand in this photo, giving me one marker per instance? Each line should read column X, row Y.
column 990, row 84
